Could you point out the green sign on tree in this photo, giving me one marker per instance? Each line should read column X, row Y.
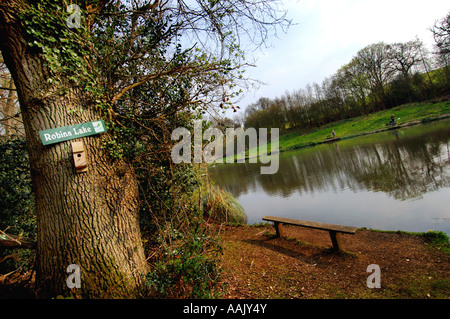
column 61, row 134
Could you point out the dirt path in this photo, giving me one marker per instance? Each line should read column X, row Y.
column 257, row 265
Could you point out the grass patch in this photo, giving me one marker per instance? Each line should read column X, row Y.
column 375, row 122
column 422, row 287
column 435, row 239
column 222, row 207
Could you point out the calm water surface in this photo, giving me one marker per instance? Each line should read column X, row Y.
column 396, row 180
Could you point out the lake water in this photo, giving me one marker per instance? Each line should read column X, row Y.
column 395, row 180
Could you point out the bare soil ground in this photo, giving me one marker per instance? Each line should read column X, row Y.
column 257, row 265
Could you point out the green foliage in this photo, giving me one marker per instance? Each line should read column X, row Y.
column 438, row 240
column 189, row 266
column 184, row 250
column 436, row 237
column 65, row 50
column 17, row 215
column 16, row 197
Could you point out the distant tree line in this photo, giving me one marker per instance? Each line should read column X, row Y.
column 380, row 76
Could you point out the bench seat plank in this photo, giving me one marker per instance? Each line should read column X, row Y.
column 334, row 230
column 309, row 224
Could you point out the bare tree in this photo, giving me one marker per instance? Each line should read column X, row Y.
column 405, row 56
column 374, row 60
column 441, row 34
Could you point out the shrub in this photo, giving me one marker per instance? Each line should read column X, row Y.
column 16, row 196
column 223, row 207
column 17, row 214
column 437, row 239
column 188, row 268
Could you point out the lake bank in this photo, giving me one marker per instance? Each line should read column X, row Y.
column 257, row 265
column 405, row 115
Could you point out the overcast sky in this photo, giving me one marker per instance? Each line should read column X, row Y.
column 328, row 33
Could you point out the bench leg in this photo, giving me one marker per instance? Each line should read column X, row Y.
column 336, row 240
column 279, row 229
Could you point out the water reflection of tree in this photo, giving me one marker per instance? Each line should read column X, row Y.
column 403, row 167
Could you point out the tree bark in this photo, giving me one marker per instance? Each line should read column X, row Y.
column 89, row 219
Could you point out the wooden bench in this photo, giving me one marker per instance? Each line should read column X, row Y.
column 334, row 230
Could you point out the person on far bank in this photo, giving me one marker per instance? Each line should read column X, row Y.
column 393, row 120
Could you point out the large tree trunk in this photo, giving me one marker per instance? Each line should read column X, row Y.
column 89, row 219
